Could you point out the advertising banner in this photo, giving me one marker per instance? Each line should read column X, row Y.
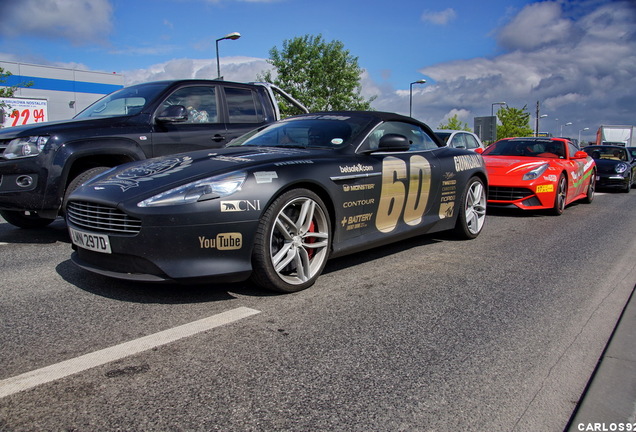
column 21, row 111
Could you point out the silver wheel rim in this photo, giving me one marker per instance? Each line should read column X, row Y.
column 299, row 240
column 475, row 207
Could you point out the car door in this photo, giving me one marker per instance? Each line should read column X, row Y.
column 203, row 128
column 405, row 193
column 577, row 182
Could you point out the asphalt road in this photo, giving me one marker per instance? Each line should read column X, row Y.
column 501, row 333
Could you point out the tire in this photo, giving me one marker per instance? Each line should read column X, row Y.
column 591, row 189
column 472, row 214
column 560, row 197
column 25, row 219
column 79, row 180
column 628, row 187
column 292, row 242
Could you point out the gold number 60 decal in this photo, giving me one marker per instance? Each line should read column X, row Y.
column 405, row 191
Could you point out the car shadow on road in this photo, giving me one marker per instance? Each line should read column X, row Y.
column 56, row 232
column 160, row 293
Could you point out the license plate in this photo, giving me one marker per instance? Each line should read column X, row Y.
column 90, row 241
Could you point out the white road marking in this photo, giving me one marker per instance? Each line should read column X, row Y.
column 57, row 371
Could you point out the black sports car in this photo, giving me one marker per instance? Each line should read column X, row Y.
column 278, row 202
column 615, row 165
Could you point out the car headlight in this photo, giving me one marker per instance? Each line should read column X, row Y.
column 25, row 147
column 621, row 168
column 200, row 190
column 535, row 173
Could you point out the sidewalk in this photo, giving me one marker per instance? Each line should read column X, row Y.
column 609, row 403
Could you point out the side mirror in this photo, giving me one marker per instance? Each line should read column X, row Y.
column 173, row 114
column 580, row 155
column 479, row 150
column 394, row 142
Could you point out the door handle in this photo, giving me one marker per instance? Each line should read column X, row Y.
column 218, row 138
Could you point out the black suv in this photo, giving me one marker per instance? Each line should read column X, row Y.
column 41, row 164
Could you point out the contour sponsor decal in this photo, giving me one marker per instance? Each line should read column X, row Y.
column 132, row 177
column 466, row 162
column 222, row 241
column 240, row 205
column 362, row 202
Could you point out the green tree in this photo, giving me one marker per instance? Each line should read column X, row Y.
column 515, row 122
column 455, row 124
column 322, row 75
column 8, row 92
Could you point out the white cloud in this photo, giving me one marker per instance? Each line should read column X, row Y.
column 240, row 69
column 78, row 21
column 439, row 18
column 582, row 70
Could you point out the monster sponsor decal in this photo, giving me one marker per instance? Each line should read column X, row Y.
column 360, row 187
column 405, row 192
column 148, row 171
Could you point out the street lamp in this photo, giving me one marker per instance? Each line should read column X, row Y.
column 567, row 124
column 492, row 107
column 584, row 129
column 232, row 36
column 422, row 81
column 536, row 125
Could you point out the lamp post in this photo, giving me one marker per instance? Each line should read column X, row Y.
column 492, row 107
column 422, row 81
column 536, row 125
column 584, row 129
column 231, row 36
column 567, row 124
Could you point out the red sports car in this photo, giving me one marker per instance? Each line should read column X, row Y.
column 538, row 173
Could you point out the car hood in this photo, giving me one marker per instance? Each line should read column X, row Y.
column 608, row 165
column 498, row 165
column 145, row 178
column 84, row 125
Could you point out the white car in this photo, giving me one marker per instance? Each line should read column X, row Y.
column 460, row 139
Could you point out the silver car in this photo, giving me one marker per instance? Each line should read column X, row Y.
column 460, row 139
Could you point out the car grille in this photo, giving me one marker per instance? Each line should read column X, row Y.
column 3, row 146
column 100, row 218
column 498, row 193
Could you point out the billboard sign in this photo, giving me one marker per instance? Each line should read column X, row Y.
column 22, row 111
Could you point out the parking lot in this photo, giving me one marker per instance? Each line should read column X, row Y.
column 498, row 333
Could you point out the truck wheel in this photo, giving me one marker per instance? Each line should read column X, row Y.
column 25, row 219
column 79, row 180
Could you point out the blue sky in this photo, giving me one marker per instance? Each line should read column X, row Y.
column 575, row 57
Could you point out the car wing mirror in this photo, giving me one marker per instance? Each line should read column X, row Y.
column 580, row 155
column 173, row 114
column 394, row 142
column 479, row 150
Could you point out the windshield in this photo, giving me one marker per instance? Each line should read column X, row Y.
column 607, row 153
column 527, row 148
column 127, row 101
column 307, row 131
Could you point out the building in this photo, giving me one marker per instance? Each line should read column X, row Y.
column 66, row 91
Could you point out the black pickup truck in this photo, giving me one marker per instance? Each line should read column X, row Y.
column 41, row 164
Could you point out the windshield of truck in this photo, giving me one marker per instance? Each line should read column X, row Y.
column 127, row 101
